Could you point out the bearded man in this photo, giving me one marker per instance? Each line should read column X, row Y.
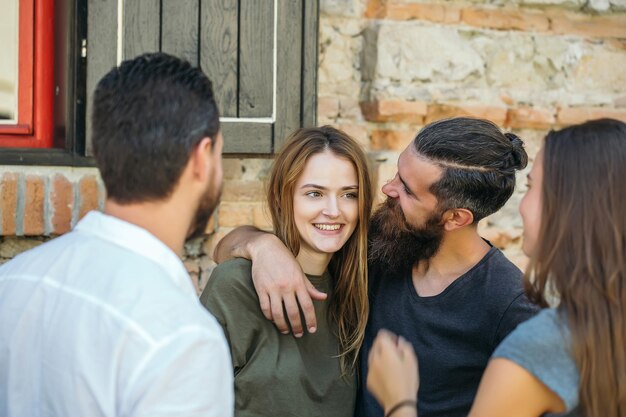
column 432, row 279
column 105, row 321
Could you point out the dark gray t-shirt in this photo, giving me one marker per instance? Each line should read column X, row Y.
column 542, row 347
column 454, row 333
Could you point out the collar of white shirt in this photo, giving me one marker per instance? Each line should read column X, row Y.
column 138, row 240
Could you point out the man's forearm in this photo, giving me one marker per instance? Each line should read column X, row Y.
column 239, row 243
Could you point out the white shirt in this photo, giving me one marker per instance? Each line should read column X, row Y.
column 104, row 321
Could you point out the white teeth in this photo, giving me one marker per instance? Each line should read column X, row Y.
column 328, row 226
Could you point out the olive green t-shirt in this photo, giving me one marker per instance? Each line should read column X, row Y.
column 276, row 374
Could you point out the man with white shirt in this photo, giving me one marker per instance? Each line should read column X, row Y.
column 104, row 321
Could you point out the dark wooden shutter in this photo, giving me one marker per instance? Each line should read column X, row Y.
column 260, row 54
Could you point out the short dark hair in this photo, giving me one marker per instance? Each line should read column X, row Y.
column 478, row 161
column 148, row 116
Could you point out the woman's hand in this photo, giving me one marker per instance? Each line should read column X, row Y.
column 393, row 373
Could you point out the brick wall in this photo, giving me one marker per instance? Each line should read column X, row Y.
column 386, row 69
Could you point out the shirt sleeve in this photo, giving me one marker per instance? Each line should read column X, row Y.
column 230, row 296
column 541, row 346
column 187, row 374
column 520, row 310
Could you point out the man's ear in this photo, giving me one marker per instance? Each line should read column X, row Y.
column 457, row 218
column 201, row 158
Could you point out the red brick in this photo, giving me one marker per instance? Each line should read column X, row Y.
column 376, row 9
column 234, row 214
column 357, row 132
column 244, row 190
column 505, row 19
column 8, row 203
column 34, row 206
column 62, row 202
column 613, row 26
column 575, row 115
column 439, row 13
column 261, row 217
column 394, row 111
column 440, row 111
column 531, row 118
column 391, row 140
column 88, row 191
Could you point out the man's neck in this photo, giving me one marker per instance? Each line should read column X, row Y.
column 459, row 252
column 164, row 220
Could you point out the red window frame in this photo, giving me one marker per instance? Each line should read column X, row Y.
column 35, row 117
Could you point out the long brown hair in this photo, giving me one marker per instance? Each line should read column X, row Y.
column 348, row 304
column 581, row 255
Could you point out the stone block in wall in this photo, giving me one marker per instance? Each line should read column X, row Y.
column 232, row 214
column 505, row 19
column 530, row 117
column 564, row 23
column 11, row 247
column 244, row 191
column 599, row 69
column 438, row 111
column 327, row 108
column 574, row 115
column 392, row 139
column 394, row 111
column 347, row 8
column 261, row 217
column 357, row 132
column 572, row 4
column 413, row 52
column 339, row 57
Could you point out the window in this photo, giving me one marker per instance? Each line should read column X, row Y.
column 26, row 90
column 46, row 126
column 260, row 54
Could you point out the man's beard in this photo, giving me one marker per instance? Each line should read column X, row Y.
column 203, row 212
column 397, row 244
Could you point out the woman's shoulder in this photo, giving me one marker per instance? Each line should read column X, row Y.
column 542, row 346
column 231, row 276
column 547, row 328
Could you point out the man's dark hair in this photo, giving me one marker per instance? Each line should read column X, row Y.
column 478, row 162
column 148, row 116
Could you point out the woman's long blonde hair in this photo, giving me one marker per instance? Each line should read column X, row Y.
column 348, row 303
column 581, row 255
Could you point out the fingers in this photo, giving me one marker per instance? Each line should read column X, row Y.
column 266, row 307
column 276, row 304
column 392, row 374
column 314, row 293
column 306, row 304
column 293, row 314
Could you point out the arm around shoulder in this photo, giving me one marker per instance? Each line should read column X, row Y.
column 240, row 243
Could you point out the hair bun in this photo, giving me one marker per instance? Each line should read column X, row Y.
column 518, row 158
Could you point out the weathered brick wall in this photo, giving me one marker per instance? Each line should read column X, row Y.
column 386, row 69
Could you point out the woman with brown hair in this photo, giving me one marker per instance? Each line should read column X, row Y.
column 319, row 198
column 569, row 360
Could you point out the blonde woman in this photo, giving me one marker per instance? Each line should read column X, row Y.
column 319, row 198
